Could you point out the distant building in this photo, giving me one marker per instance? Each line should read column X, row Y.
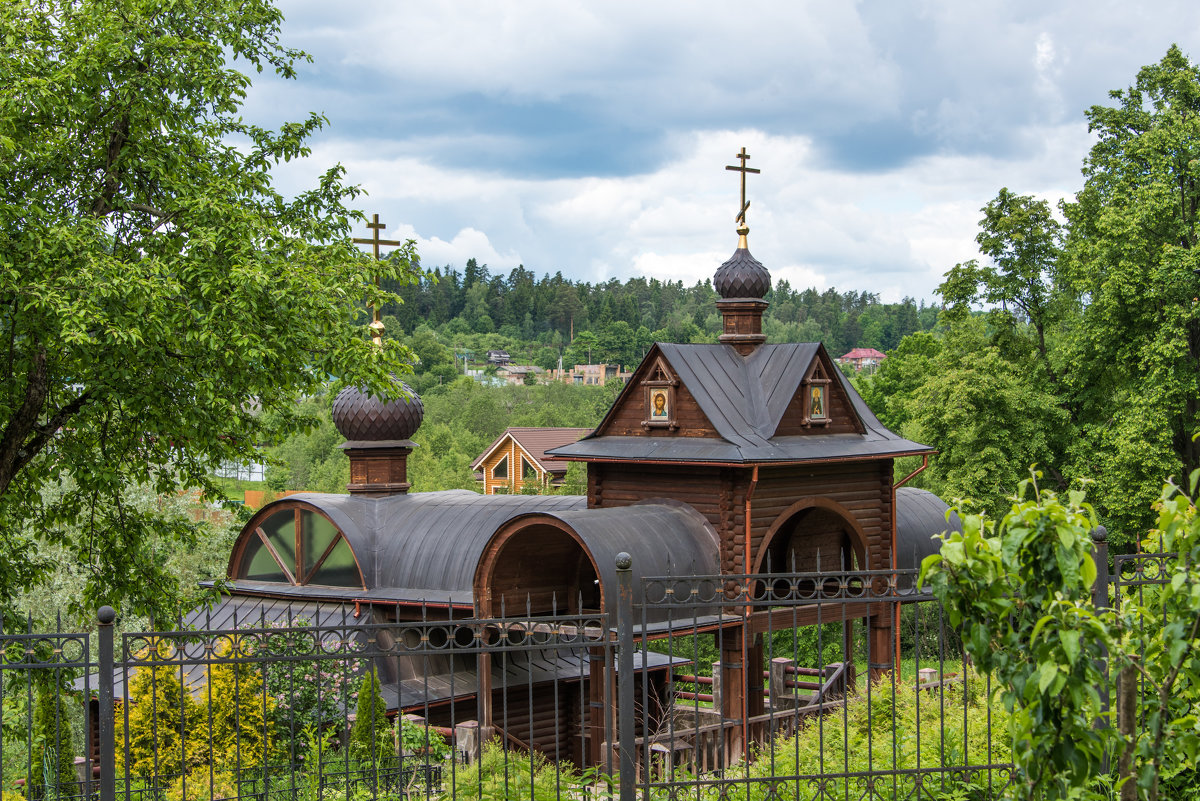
column 498, row 357
column 516, row 373
column 518, row 456
column 867, row 359
column 592, row 374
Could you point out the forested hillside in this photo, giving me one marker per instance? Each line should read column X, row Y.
column 449, row 313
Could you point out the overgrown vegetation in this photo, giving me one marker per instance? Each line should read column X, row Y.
column 1075, row 343
column 1021, row 589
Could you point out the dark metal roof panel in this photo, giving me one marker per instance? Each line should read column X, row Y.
column 778, row 371
column 801, row 448
column 428, row 542
column 920, row 517
column 717, row 378
column 664, row 538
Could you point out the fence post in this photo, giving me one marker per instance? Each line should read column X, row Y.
column 625, row 679
column 108, row 762
column 1100, row 557
column 1100, row 602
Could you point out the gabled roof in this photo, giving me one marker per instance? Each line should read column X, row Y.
column 535, row 442
column 865, row 353
column 745, row 397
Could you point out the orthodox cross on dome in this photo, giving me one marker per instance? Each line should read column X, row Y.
column 375, row 242
column 743, row 169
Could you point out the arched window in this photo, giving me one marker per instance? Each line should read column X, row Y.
column 299, row 546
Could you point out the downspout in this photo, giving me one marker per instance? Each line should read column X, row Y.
column 746, row 672
column 895, row 554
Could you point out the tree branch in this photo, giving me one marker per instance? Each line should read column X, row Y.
column 13, row 453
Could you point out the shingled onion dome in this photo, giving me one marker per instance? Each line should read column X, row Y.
column 742, row 282
column 378, row 438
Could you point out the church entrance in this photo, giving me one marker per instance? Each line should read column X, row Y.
column 813, row 535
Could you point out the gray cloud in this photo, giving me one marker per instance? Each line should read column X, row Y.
column 592, row 137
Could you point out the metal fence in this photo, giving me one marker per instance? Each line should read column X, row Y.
column 798, row 685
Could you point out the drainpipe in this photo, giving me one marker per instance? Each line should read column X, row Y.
column 746, row 671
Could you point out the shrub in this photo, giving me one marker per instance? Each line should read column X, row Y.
column 52, row 766
column 371, row 735
column 504, row 774
column 164, row 735
column 201, row 785
column 237, row 713
column 416, row 738
column 899, row 730
column 306, row 690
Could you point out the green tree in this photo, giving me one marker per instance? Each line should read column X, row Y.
column 1021, row 593
column 163, row 301
column 371, row 734
column 1131, row 252
column 1020, row 236
column 987, row 414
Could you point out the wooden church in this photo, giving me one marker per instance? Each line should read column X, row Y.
column 723, row 459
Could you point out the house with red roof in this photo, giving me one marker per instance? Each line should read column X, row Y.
column 863, row 359
column 518, row 456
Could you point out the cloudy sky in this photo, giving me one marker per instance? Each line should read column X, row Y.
column 592, row 137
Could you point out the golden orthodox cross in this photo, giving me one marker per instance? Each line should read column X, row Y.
column 743, row 169
column 376, row 226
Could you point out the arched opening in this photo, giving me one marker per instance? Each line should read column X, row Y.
column 537, row 566
column 813, row 534
column 810, row 536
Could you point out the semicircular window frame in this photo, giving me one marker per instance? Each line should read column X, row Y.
column 299, row 550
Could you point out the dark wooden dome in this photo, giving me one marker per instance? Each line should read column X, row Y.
column 361, row 417
column 742, row 276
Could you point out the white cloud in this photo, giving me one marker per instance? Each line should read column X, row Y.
column 927, row 109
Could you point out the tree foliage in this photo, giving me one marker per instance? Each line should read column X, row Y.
column 161, row 304
column 1076, row 343
column 371, row 738
column 1021, row 591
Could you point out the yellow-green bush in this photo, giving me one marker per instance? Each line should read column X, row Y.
column 922, row 738
column 502, row 774
column 237, row 714
column 203, row 786
column 164, row 734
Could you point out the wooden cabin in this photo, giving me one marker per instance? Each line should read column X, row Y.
column 518, row 457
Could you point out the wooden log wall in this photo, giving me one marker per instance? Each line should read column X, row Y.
column 719, row 493
column 627, row 420
column 548, row 727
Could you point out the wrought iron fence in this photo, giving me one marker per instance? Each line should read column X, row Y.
column 812, row 694
column 798, row 685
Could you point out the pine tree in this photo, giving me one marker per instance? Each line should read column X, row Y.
column 371, row 735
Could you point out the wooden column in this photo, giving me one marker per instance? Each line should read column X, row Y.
column 483, row 664
column 595, row 707
column 880, row 632
column 755, row 692
column 733, row 692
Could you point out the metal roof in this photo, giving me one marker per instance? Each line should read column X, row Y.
column 664, row 538
column 425, row 546
column 920, row 518
column 745, row 397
